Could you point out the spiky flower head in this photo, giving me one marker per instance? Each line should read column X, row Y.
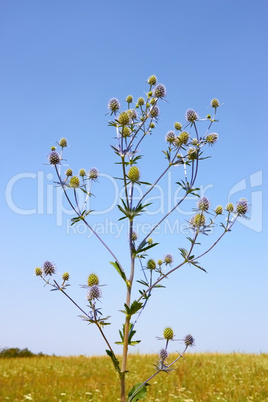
column 134, row 174
column 94, row 293
column 150, row 240
column 63, row 143
column 124, row 118
column 65, row 276
column 151, row 264
column 163, row 354
column 53, row 148
column 230, row 207
column 160, row 262
column 132, row 114
column 129, row 99
column 219, row 210
column 203, row 204
column 199, row 220
column 134, row 236
column 188, row 340
column 154, row 112
column 170, row 136
column 38, row 271
column 215, row 103
column 54, row 158
column 140, row 101
column 49, row 268
column 113, row 105
column 177, row 126
column 212, row 138
column 184, row 137
column 168, row 259
column 160, row 91
column 92, row 280
column 93, row 174
column 192, row 153
column 152, row 80
column 241, row 206
column 168, row 333
column 126, row 132
column 69, row 172
column 191, row 115
column 74, row 182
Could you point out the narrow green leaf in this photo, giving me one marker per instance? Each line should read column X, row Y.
column 119, row 270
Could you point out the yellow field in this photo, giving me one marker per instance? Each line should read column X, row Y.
column 197, row 377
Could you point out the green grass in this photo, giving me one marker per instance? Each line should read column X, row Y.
column 197, row 377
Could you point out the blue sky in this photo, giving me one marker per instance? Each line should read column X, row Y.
column 61, row 63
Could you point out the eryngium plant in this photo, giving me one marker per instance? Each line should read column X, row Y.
column 185, row 149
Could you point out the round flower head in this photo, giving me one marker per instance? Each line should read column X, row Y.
column 74, row 182
column 113, row 105
column 65, row 276
column 69, row 172
column 184, row 137
column 152, row 80
column 151, row 264
column 241, row 206
column 188, row 340
column 154, row 112
column 140, row 101
column 93, row 174
column 168, row 259
column 192, row 153
column 160, row 262
column 150, row 240
column 177, row 126
column 212, row 138
column 132, row 114
column 168, row 334
column 124, row 118
column 230, row 207
column 191, row 115
column 126, row 132
column 53, row 148
column 219, row 210
column 199, row 220
column 160, row 91
column 48, row 268
column 63, row 143
column 134, row 174
column 163, row 354
column 203, row 204
column 38, row 271
column 129, row 99
column 134, row 236
column 170, row 137
column 94, row 293
column 92, row 280
column 152, row 125
column 153, row 101
column 215, row 103
column 82, row 172
column 54, row 158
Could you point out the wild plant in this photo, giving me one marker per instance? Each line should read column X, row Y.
column 185, row 148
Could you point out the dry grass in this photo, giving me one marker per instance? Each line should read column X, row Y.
column 197, row 377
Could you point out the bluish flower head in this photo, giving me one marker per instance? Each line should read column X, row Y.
column 212, row 138
column 49, row 268
column 242, row 206
column 191, row 115
column 54, row 158
column 170, row 137
column 94, row 293
column 163, row 354
column 160, row 91
column 93, row 174
column 203, row 204
column 154, row 112
column 113, row 105
column 188, row 340
column 168, row 259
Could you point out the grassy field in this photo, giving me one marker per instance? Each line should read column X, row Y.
column 197, row 377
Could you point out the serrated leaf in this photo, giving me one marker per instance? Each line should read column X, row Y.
column 115, row 361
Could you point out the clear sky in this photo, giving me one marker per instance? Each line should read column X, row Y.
column 61, row 62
